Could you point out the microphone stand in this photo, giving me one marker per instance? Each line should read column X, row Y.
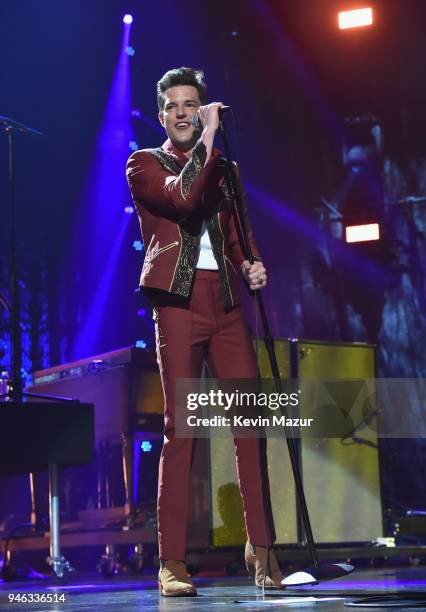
column 316, row 572
column 14, row 391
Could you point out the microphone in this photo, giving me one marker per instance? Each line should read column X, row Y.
column 195, row 120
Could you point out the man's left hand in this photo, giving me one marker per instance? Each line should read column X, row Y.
column 255, row 274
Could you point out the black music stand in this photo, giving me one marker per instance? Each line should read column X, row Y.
column 50, row 435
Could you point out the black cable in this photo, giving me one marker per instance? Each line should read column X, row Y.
column 7, row 540
column 11, row 534
column 350, row 439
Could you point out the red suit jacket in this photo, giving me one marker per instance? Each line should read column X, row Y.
column 172, row 196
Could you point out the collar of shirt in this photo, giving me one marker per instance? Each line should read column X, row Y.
column 179, row 155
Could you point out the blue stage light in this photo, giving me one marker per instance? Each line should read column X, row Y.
column 129, row 210
column 146, row 446
column 136, row 112
column 141, row 312
column 109, row 153
column 141, row 344
column 130, row 51
column 127, row 19
column 133, row 145
column 138, row 245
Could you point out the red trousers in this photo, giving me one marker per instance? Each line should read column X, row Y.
column 188, row 334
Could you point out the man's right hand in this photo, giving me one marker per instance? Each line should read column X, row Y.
column 209, row 116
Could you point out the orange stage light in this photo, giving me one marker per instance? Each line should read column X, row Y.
column 356, row 18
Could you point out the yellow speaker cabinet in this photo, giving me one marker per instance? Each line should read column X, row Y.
column 341, row 478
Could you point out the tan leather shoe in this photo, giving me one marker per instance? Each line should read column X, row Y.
column 173, row 580
column 255, row 557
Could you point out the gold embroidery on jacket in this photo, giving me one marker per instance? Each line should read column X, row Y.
column 153, row 252
column 185, row 265
column 164, row 248
column 218, row 245
column 193, row 169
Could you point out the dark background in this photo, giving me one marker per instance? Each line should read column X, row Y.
column 291, row 77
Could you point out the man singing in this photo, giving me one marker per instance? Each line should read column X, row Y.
column 193, row 256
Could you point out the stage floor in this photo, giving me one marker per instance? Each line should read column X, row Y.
column 125, row 594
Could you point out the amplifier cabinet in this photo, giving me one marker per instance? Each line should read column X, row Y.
column 341, row 480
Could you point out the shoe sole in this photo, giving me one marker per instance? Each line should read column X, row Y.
column 189, row 593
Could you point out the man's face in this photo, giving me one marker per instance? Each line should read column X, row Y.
column 181, row 102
